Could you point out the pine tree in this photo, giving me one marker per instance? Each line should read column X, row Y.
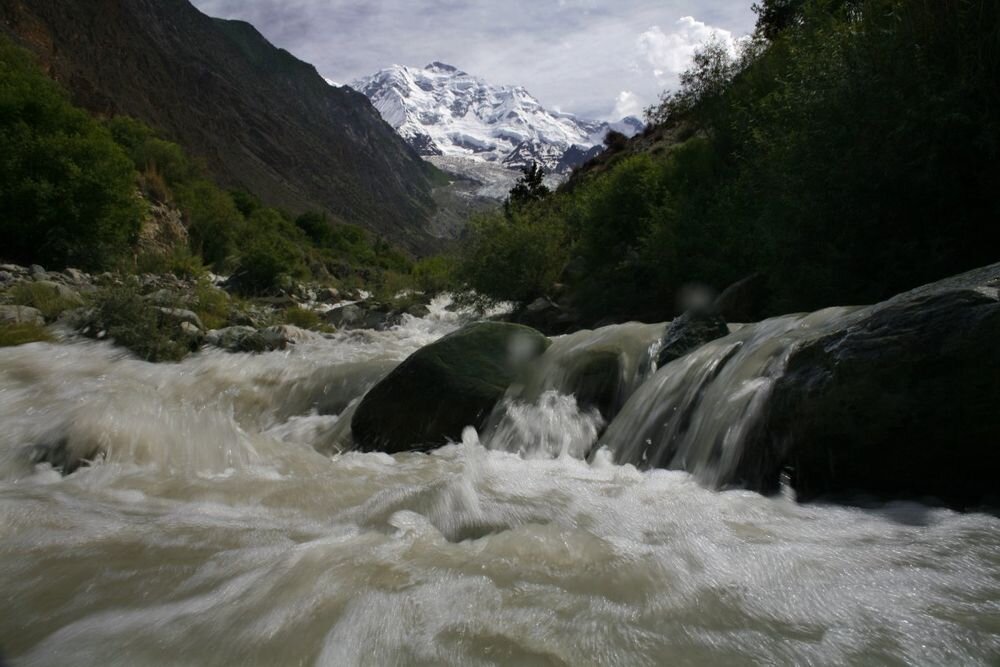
column 530, row 187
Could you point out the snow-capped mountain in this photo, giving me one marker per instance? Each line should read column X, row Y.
column 442, row 111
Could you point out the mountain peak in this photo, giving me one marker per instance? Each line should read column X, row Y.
column 438, row 66
column 441, row 110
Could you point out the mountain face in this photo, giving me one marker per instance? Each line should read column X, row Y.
column 261, row 119
column 442, row 111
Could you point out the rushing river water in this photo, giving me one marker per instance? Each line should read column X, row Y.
column 224, row 527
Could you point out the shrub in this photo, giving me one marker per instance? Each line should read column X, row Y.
column 214, row 224
column 515, row 257
column 179, row 261
column 44, row 297
column 135, row 324
column 273, row 249
column 21, row 333
column 212, row 305
column 302, row 318
column 436, row 274
column 317, row 227
column 615, row 140
column 150, row 153
column 394, row 288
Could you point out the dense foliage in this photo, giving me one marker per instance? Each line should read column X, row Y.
column 848, row 151
column 68, row 196
column 66, row 188
column 232, row 231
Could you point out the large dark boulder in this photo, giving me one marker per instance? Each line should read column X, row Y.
column 442, row 388
column 689, row 332
column 596, row 382
column 904, row 401
column 744, row 300
column 548, row 317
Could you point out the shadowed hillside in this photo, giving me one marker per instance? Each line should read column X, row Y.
column 260, row 118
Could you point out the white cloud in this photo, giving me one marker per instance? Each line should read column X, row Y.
column 577, row 55
column 627, row 104
column 665, row 55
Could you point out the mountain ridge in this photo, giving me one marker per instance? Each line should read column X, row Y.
column 261, row 119
column 441, row 110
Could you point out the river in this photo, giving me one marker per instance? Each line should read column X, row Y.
column 224, row 526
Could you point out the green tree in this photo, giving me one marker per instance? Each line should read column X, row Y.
column 66, row 188
column 215, row 226
column 515, row 256
column 530, row 187
column 272, row 247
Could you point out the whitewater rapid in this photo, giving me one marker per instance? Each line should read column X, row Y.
column 224, row 526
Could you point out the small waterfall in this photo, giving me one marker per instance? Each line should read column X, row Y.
column 695, row 413
column 601, row 390
column 573, row 391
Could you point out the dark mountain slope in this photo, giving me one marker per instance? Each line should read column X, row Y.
column 262, row 119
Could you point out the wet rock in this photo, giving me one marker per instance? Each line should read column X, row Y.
column 77, row 276
column 596, row 380
column 281, row 336
column 191, row 334
column 444, row 387
column 162, row 297
column 328, row 295
column 364, row 315
column 418, row 310
column 548, row 317
column 905, row 401
column 64, row 456
column 689, row 332
column 345, row 316
column 79, row 319
column 237, row 339
column 21, row 315
column 744, row 300
column 180, row 315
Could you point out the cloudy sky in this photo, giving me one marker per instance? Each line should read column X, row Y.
column 595, row 58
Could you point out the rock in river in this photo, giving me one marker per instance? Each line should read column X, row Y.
column 444, row 387
column 904, row 401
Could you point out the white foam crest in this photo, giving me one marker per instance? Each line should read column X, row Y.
column 551, row 427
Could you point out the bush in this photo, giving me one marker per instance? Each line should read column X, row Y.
column 514, row 257
column 302, row 318
column 212, row 305
column 135, row 324
column 179, row 261
column 68, row 188
column 615, row 140
column 273, row 249
column 848, row 152
column 21, row 333
column 317, row 227
column 214, row 224
column 45, row 298
column 149, row 152
column 436, row 274
column 394, row 288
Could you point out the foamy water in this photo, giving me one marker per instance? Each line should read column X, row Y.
column 224, row 528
